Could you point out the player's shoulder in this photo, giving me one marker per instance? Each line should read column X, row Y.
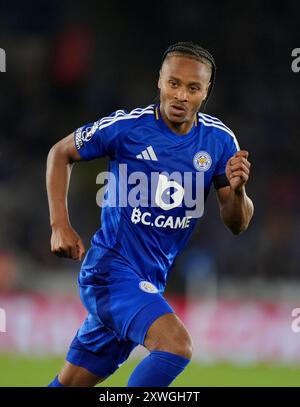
column 125, row 118
column 217, row 127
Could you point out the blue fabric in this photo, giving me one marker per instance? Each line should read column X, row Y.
column 100, row 351
column 56, row 383
column 124, row 273
column 158, row 369
column 150, row 241
column 120, row 314
column 121, row 301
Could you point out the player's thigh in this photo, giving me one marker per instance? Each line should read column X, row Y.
column 77, row 376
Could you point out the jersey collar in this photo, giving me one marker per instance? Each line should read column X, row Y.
column 167, row 130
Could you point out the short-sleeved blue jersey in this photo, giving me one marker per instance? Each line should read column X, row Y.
column 144, row 152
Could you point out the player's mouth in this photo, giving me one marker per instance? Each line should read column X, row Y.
column 177, row 109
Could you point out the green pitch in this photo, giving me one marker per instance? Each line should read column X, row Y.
column 22, row 371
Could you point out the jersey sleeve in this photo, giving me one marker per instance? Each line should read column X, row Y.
column 230, row 147
column 97, row 139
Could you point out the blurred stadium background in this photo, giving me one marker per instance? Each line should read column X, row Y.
column 69, row 63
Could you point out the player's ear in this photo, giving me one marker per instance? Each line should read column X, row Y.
column 206, row 90
column 159, row 80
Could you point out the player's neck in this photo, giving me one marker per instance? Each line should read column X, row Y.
column 179, row 128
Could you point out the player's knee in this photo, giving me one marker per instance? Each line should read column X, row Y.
column 180, row 347
column 180, row 344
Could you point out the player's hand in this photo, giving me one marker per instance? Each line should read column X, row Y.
column 65, row 242
column 238, row 170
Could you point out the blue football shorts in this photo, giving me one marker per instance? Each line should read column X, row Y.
column 121, row 307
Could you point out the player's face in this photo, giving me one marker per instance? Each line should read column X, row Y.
column 183, row 84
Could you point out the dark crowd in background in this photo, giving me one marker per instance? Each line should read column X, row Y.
column 70, row 63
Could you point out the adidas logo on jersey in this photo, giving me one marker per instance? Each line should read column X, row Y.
column 147, row 154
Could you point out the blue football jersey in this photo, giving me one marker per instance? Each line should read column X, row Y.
column 154, row 183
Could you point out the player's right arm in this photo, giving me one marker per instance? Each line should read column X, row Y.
column 65, row 242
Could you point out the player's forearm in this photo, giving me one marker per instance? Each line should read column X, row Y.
column 57, row 179
column 237, row 211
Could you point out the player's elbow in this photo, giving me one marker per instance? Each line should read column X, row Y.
column 237, row 223
column 51, row 155
column 238, row 227
column 237, row 230
column 52, row 152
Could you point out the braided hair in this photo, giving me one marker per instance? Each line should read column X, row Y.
column 195, row 51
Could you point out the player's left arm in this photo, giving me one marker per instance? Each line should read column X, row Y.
column 236, row 208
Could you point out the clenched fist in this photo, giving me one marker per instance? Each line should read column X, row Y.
column 238, row 170
column 65, row 242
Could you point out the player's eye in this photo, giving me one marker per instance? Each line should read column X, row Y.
column 173, row 84
column 194, row 89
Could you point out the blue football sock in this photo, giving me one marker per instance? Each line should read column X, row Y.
column 157, row 369
column 55, row 383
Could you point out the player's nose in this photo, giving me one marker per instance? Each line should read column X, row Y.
column 181, row 94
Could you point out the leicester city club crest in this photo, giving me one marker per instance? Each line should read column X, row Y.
column 148, row 287
column 202, row 161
